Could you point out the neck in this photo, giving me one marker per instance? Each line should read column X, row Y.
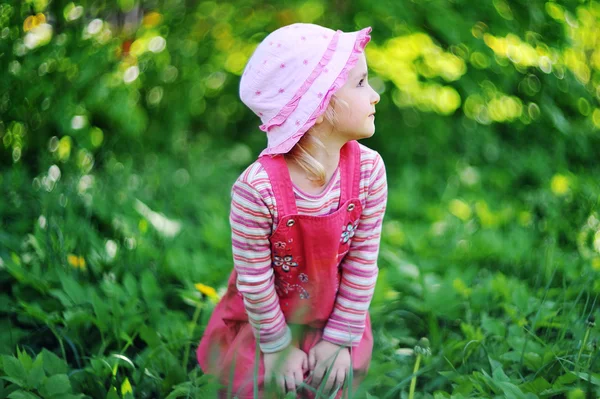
column 329, row 154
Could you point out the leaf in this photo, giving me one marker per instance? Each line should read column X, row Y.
column 465, row 387
column 76, row 317
column 112, row 393
column 36, row 373
column 102, row 312
column 34, row 310
column 14, row 369
column 74, row 290
column 130, row 285
column 150, row 289
column 32, row 240
column 3, row 391
column 150, row 336
column 64, row 299
column 25, row 359
column 565, row 379
column 499, row 375
column 182, row 390
column 57, row 384
column 593, row 378
column 493, row 326
column 533, row 360
column 536, row 386
column 126, row 389
column 125, row 359
column 511, row 391
column 5, row 303
column 54, row 364
column 22, row 395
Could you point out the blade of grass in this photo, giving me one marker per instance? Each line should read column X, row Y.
column 256, row 363
column 324, row 380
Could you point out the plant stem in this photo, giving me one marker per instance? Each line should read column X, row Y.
column 62, row 346
column 589, row 362
column 585, row 338
column 190, row 332
column 413, row 381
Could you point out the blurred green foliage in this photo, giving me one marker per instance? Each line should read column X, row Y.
column 122, row 132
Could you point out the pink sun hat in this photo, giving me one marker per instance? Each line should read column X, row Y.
column 289, row 80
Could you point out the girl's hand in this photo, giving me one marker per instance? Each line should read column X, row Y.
column 286, row 367
column 320, row 358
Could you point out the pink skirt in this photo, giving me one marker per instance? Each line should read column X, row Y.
column 228, row 350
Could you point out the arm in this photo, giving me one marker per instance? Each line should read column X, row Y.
column 346, row 323
column 251, row 225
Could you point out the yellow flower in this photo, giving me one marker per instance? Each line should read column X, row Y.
column 460, row 209
column 33, row 20
column 76, row 261
column 152, row 19
column 559, row 184
column 206, row 290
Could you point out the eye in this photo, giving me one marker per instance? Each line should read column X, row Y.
column 362, row 81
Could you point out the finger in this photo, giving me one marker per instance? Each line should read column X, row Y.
column 280, row 383
column 312, row 360
column 330, row 380
column 298, row 378
column 290, row 383
column 318, row 374
column 340, row 378
column 305, row 362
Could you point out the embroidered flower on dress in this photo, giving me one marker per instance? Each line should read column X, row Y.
column 289, row 260
column 277, row 261
column 286, row 263
column 348, row 232
column 280, row 244
column 304, row 295
column 303, row 278
column 282, row 287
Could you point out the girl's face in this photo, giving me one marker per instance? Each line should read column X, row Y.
column 355, row 104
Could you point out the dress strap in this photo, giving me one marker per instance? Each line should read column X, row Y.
column 349, row 171
column 281, row 182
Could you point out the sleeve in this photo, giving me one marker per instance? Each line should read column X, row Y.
column 251, row 225
column 346, row 323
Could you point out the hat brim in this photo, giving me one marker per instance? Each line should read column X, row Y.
column 342, row 59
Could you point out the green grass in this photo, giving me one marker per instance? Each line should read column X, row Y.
column 505, row 307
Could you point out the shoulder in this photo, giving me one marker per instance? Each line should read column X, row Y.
column 254, row 181
column 254, row 175
column 371, row 163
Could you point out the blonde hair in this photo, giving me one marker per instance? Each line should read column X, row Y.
column 301, row 152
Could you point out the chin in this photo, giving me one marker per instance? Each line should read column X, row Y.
column 366, row 135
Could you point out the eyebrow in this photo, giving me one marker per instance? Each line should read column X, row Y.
column 364, row 75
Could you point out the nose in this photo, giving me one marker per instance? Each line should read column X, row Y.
column 374, row 97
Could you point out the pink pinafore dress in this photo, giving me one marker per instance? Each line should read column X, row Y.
column 306, row 255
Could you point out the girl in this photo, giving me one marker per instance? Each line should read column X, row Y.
column 305, row 218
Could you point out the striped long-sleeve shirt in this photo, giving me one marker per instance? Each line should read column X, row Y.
column 253, row 217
